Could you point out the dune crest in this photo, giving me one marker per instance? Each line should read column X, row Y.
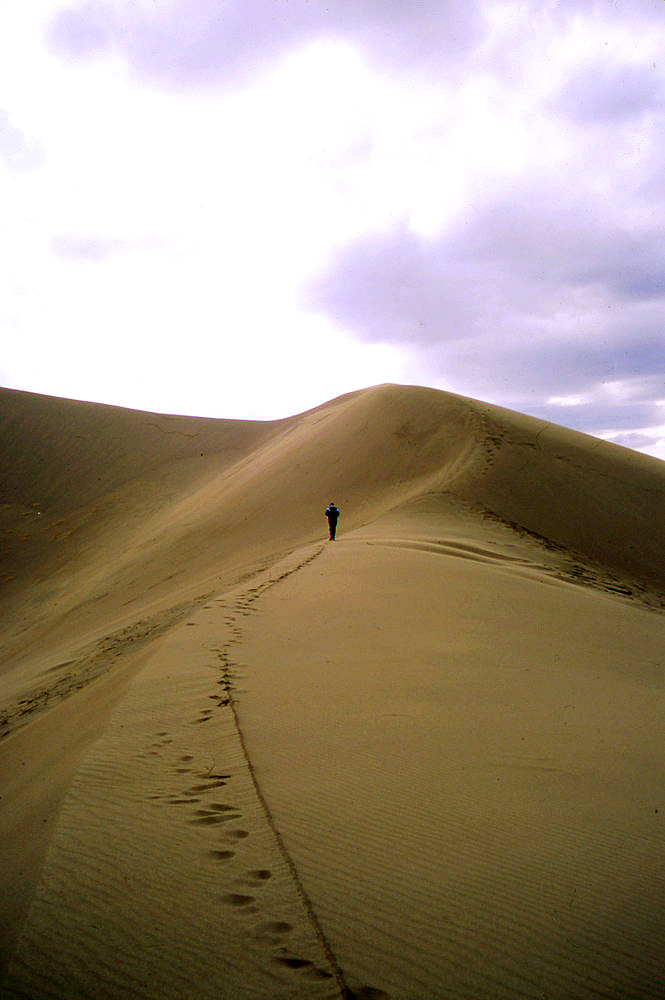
column 454, row 709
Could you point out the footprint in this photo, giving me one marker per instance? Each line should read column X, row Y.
column 237, row 834
column 370, row 993
column 322, row 973
column 236, row 899
column 277, row 927
column 205, row 818
column 222, row 855
column 293, row 962
column 258, row 876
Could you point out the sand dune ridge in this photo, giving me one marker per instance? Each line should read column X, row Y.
column 421, row 762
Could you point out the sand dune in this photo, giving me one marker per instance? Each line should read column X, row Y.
column 240, row 761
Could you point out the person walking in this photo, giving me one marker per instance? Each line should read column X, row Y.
column 332, row 513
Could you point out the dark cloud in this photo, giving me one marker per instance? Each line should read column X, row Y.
column 622, row 415
column 20, row 152
column 523, row 301
column 515, row 262
column 570, row 238
column 200, row 42
column 387, row 288
column 526, row 370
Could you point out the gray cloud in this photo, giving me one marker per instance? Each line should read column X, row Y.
column 20, row 152
column 515, row 261
column 200, row 42
column 572, row 237
column 637, row 411
column 525, row 300
column 608, row 94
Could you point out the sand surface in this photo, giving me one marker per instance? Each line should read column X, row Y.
column 238, row 760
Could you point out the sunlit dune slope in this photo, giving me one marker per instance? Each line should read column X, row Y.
column 115, row 522
column 129, row 512
column 97, row 500
column 170, row 559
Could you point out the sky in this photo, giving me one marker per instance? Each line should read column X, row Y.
column 244, row 208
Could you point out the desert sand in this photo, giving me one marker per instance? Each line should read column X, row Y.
column 238, row 760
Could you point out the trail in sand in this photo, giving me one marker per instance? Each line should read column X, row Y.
column 166, row 807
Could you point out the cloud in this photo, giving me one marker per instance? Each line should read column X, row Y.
column 529, row 259
column 20, row 152
column 202, row 42
column 571, row 237
column 475, row 186
column 602, row 95
column 545, row 279
column 542, row 296
column 78, row 248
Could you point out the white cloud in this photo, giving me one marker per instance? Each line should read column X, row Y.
column 19, row 151
column 474, row 188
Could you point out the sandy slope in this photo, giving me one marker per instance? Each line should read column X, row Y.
column 465, row 759
column 239, row 761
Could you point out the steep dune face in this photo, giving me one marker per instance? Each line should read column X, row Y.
column 597, row 499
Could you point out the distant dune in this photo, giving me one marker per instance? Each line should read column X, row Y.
column 241, row 761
